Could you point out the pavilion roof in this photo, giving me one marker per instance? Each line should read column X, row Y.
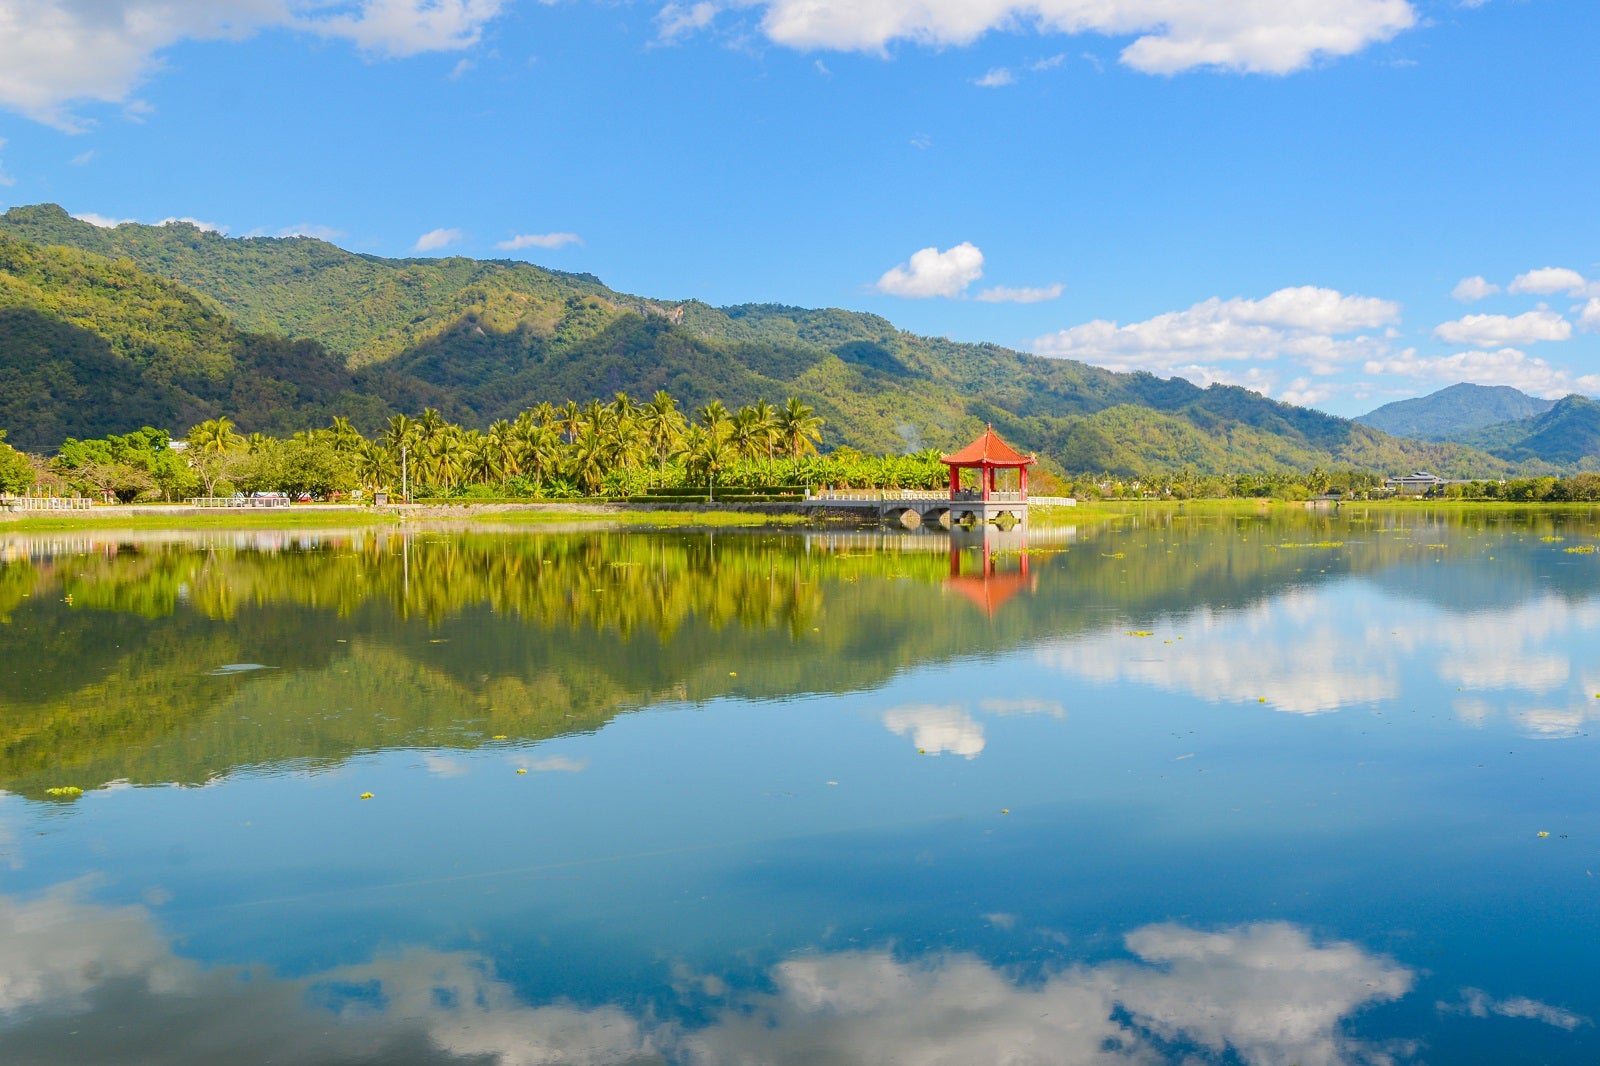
column 988, row 450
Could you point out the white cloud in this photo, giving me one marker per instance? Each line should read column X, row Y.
column 1589, row 319
column 61, row 958
column 312, row 230
column 208, row 227
column 558, row 764
column 1262, row 994
column 679, row 20
column 935, row 730
column 6, row 181
column 1267, row 992
column 1505, row 366
column 1504, row 330
column 550, row 241
column 1474, row 288
column 1241, row 657
column 101, row 221
column 1549, row 280
column 1303, row 323
column 54, row 53
column 1001, row 294
column 931, row 272
column 440, row 765
column 1171, row 35
column 1480, row 1004
column 996, row 78
column 406, row 27
column 1008, row 707
column 435, row 239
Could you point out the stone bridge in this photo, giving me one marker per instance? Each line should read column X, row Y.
column 914, row 507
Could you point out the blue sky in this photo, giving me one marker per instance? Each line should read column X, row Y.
column 1337, row 202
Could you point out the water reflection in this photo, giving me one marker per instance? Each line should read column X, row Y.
column 1266, row 993
column 124, row 658
column 1305, row 653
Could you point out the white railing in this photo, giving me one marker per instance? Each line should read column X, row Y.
column 238, row 501
column 929, row 495
column 44, row 503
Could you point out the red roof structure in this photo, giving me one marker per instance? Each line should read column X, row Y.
column 988, row 451
column 986, row 455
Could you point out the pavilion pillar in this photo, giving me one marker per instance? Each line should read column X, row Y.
column 955, row 481
column 1023, row 472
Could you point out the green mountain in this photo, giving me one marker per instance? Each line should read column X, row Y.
column 105, row 330
column 1568, row 433
column 1454, row 413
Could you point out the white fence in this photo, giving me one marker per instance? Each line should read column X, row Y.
column 929, row 495
column 238, row 501
column 44, row 503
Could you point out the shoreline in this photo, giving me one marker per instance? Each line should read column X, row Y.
column 569, row 514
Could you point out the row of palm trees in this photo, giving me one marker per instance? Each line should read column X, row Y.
column 592, row 447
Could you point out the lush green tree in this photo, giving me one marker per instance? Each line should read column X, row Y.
column 16, row 473
column 799, row 428
column 663, row 428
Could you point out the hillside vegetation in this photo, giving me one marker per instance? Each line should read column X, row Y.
column 107, row 330
column 1454, row 413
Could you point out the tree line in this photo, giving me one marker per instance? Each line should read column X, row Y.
column 623, row 447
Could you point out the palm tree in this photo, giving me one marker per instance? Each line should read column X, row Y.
column 482, row 459
column 213, row 445
column 799, row 428
column 446, row 455
column 502, row 438
column 623, row 407
column 571, row 418
column 714, row 417
column 401, row 437
column 215, row 435
column 346, row 438
column 767, row 423
column 538, row 446
column 663, row 427
column 745, row 433
column 400, row 430
column 374, row 464
column 704, row 451
column 588, row 462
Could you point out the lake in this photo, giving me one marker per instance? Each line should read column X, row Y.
column 1259, row 787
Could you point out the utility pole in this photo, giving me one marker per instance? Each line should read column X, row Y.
column 405, row 481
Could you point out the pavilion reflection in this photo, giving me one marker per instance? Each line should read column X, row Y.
column 989, row 565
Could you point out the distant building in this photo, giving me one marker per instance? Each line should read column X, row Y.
column 1420, row 483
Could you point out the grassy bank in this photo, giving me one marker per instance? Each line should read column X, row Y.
column 135, row 518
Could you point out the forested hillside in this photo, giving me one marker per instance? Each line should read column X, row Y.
column 107, row 330
column 1455, row 412
column 1568, row 433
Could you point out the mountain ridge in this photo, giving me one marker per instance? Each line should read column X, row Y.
column 483, row 339
column 1455, row 411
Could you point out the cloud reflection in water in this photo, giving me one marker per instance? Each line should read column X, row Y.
column 1298, row 653
column 1266, row 992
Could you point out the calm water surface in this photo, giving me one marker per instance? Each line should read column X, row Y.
column 1259, row 789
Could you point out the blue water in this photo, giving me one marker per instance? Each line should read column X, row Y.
column 1290, row 814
